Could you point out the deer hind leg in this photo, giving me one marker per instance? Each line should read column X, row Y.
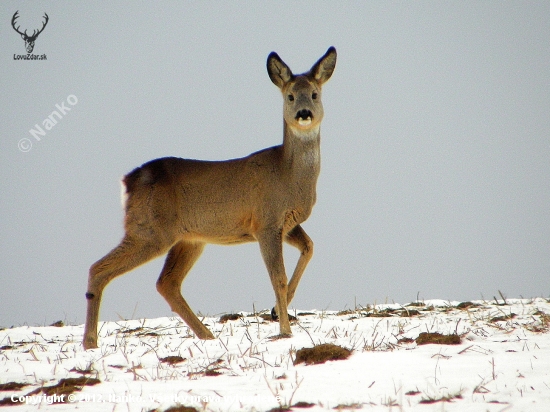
column 179, row 262
column 271, row 246
column 130, row 254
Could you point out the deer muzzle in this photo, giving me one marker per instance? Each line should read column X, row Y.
column 304, row 117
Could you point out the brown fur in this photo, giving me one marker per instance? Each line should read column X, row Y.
column 178, row 205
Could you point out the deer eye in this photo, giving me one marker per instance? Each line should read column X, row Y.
column 314, row 96
column 290, row 98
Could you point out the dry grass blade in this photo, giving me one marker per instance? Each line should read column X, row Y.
column 466, row 305
column 351, row 406
column 69, row 385
column 172, row 360
column 503, row 318
column 321, row 354
column 61, row 389
column 437, row 338
column 230, row 316
column 181, row 408
column 449, row 398
column 303, row 405
column 12, row 386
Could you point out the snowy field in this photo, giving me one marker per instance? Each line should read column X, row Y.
column 502, row 362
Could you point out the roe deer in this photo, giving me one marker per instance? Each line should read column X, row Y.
column 178, row 205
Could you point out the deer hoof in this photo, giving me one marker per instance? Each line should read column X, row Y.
column 274, row 315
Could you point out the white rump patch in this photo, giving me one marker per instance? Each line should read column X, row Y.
column 123, row 194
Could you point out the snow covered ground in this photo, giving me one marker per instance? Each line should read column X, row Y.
column 501, row 364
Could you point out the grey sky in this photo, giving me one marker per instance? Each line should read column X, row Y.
column 435, row 147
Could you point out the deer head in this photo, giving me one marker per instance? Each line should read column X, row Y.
column 29, row 40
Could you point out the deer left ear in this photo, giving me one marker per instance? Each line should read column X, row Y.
column 323, row 69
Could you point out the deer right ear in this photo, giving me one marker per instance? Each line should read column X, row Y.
column 322, row 70
column 278, row 71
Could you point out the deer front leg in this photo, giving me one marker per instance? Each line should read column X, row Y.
column 271, row 247
column 298, row 238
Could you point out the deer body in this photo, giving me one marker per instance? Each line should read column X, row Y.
column 219, row 202
column 178, row 205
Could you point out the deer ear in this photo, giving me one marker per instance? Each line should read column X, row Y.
column 278, row 71
column 322, row 70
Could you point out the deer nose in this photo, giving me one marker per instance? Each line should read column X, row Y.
column 304, row 114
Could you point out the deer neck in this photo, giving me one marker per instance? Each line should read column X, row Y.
column 301, row 152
